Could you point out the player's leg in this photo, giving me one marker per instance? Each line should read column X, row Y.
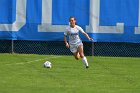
column 76, row 55
column 81, row 52
column 73, row 49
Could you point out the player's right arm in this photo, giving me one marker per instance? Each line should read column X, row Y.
column 66, row 42
column 65, row 38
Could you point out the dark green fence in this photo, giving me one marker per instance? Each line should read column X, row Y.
column 58, row 48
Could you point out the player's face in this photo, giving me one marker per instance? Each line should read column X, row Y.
column 72, row 22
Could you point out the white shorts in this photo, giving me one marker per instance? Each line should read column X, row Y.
column 74, row 47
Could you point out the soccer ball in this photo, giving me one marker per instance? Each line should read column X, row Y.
column 47, row 64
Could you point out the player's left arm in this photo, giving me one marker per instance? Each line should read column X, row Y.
column 87, row 36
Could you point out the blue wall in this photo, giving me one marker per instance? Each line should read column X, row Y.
column 111, row 12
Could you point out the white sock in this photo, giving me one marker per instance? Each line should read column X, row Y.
column 84, row 59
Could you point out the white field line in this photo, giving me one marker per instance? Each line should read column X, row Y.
column 22, row 63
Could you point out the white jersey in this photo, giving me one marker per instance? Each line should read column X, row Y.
column 73, row 34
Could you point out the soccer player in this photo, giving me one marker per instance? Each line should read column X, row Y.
column 75, row 44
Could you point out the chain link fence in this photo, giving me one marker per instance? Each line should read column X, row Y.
column 58, row 48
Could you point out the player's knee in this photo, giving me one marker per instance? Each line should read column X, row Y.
column 77, row 58
column 82, row 55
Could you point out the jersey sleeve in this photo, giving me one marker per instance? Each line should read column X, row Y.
column 80, row 29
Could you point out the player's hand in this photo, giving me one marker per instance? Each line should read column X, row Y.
column 67, row 45
column 90, row 39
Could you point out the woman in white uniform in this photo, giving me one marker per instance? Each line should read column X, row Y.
column 75, row 44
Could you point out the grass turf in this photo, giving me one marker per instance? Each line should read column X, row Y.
column 20, row 73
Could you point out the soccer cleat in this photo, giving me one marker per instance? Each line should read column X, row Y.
column 87, row 66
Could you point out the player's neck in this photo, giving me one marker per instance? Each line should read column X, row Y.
column 72, row 26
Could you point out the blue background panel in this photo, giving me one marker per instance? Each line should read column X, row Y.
column 111, row 12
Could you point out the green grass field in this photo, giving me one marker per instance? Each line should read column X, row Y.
column 24, row 73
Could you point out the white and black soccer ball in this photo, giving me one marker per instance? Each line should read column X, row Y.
column 48, row 64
